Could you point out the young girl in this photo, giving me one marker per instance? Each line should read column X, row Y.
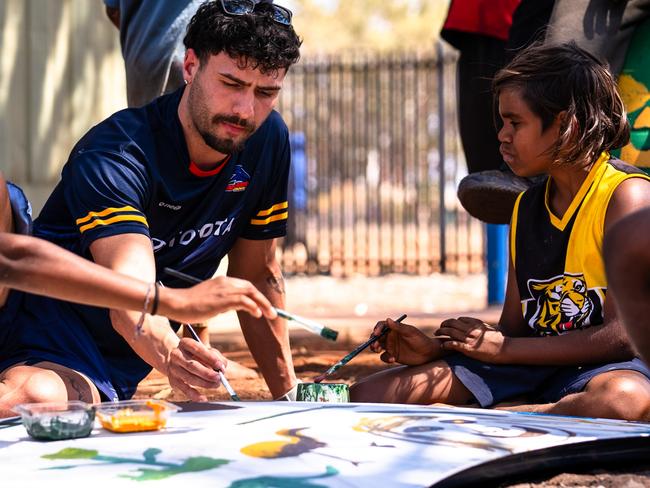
column 558, row 347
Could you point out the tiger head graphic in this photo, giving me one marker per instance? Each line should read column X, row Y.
column 562, row 303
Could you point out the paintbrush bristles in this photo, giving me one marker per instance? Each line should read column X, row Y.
column 330, row 334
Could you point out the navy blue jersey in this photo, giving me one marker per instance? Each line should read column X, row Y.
column 132, row 174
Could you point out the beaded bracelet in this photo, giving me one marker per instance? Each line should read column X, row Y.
column 145, row 307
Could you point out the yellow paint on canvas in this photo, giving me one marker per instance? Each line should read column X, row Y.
column 270, row 449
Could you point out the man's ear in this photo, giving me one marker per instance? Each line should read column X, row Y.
column 191, row 65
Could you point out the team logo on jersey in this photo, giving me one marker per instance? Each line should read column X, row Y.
column 563, row 303
column 239, row 180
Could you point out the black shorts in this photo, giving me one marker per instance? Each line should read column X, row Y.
column 493, row 383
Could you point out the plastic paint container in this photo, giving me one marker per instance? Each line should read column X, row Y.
column 57, row 420
column 323, row 392
column 135, row 415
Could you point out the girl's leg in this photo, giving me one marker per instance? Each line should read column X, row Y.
column 620, row 394
column 426, row 384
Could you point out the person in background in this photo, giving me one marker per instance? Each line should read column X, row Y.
column 479, row 30
column 559, row 347
column 151, row 36
column 180, row 183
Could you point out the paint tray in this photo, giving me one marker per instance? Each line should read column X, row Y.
column 135, row 415
column 57, row 420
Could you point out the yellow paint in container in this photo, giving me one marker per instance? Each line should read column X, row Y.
column 134, row 415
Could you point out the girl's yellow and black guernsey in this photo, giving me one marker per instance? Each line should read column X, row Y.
column 558, row 261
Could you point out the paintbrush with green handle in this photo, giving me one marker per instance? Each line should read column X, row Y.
column 310, row 325
column 354, row 353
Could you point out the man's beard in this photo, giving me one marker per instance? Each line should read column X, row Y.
column 206, row 124
column 222, row 144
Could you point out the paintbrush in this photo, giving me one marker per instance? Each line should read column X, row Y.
column 354, row 353
column 222, row 376
column 310, row 325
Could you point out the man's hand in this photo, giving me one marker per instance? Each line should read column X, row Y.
column 191, row 365
column 404, row 344
column 212, row 297
column 473, row 338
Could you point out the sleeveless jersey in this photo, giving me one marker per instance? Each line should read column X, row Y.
column 558, row 262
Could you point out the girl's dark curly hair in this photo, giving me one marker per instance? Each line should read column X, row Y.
column 566, row 78
column 255, row 39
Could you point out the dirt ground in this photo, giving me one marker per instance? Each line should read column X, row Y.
column 352, row 307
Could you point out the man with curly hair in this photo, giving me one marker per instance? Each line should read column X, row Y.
column 180, row 182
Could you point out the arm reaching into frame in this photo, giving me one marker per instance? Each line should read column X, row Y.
column 627, row 262
column 36, row 266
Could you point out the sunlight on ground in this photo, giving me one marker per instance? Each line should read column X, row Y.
column 323, row 297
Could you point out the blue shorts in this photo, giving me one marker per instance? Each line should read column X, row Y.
column 493, row 383
column 35, row 328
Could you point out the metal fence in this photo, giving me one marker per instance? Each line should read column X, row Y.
column 376, row 162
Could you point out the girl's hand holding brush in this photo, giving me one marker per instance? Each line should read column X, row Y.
column 405, row 344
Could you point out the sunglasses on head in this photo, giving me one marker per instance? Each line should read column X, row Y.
column 281, row 15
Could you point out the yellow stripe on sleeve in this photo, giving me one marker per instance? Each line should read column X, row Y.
column 269, row 211
column 272, row 218
column 112, row 220
column 106, row 212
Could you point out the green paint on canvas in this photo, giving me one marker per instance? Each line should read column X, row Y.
column 191, row 465
column 72, row 453
column 162, row 469
column 284, row 481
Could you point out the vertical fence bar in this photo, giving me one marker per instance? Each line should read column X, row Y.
column 366, row 160
column 441, row 156
column 416, row 157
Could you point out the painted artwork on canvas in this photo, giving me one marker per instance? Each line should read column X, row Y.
column 280, row 444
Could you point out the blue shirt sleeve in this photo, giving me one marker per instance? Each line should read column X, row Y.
column 112, row 3
column 270, row 218
column 106, row 195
